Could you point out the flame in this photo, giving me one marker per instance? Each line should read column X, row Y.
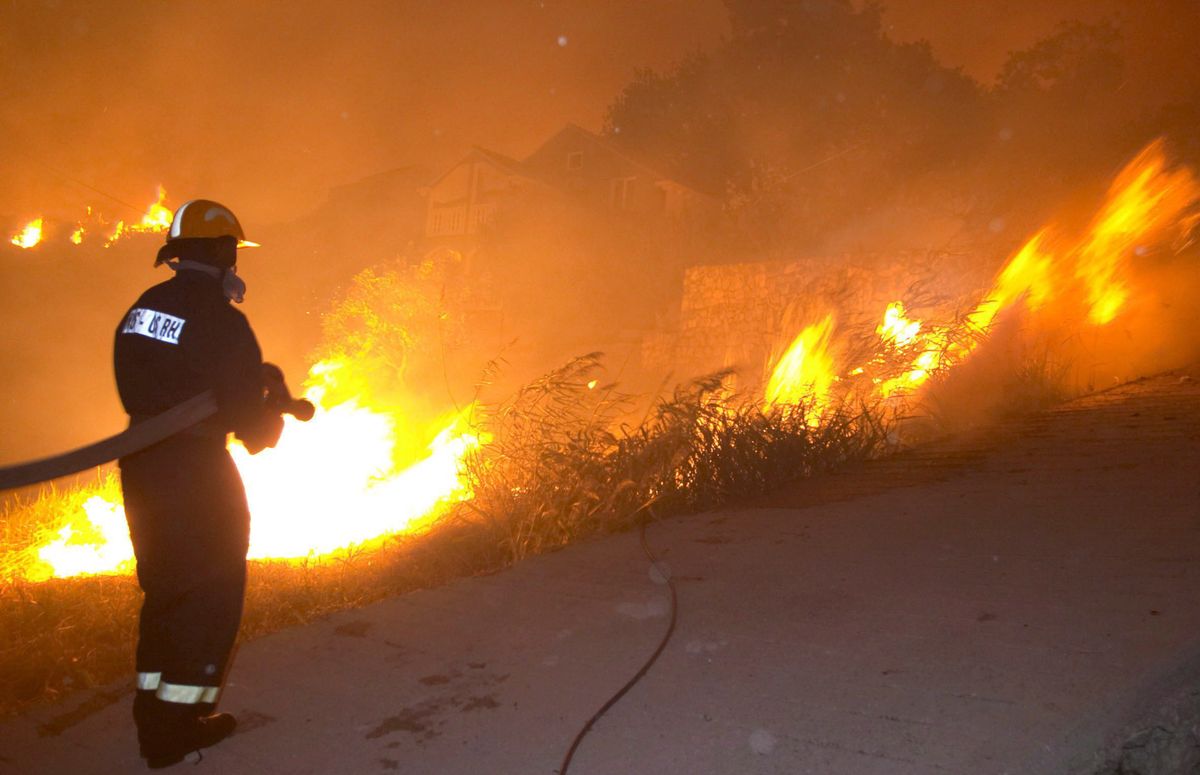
column 805, row 372
column 897, row 328
column 118, row 231
column 81, row 229
column 1147, row 204
column 1086, row 280
column 156, row 220
column 899, row 332
column 1026, row 275
column 329, row 484
column 158, row 216
column 96, row 543
column 30, row 235
column 1145, row 199
column 335, row 482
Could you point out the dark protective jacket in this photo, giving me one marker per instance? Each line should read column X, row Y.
column 184, row 500
column 183, row 337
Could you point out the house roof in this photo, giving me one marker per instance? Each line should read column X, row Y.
column 388, row 181
column 506, row 163
column 652, row 169
column 523, row 169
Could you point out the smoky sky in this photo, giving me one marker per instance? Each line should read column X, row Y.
column 268, row 105
column 1158, row 37
column 978, row 36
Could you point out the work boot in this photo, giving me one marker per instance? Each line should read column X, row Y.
column 198, row 733
column 148, row 718
column 175, row 731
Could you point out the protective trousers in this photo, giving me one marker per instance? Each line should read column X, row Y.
column 190, row 527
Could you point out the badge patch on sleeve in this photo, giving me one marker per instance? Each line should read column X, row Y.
column 156, row 325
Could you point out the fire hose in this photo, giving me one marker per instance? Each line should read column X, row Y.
column 662, row 574
column 149, row 432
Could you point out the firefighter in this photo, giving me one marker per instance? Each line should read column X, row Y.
column 184, row 500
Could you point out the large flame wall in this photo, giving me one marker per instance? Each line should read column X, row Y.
column 337, row 481
column 330, row 484
column 1076, row 285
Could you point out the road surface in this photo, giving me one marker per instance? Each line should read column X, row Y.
column 1025, row 601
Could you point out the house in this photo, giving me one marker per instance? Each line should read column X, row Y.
column 465, row 197
column 372, row 218
column 575, row 165
column 606, row 176
column 541, row 273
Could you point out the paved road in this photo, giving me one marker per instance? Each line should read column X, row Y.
column 1010, row 604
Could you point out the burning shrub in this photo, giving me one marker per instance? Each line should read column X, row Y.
column 391, row 323
column 1071, row 310
column 564, row 462
column 564, row 458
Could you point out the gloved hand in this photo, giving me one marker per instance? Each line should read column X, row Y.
column 266, row 434
column 280, row 397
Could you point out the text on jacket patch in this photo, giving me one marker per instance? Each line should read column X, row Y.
column 156, row 325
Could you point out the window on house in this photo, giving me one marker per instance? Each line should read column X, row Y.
column 575, row 160
column 622, row 193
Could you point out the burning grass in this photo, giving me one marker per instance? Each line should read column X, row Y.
column 564, row 458
column 563, row 463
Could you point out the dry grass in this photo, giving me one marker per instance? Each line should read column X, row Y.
column 65, row 634
column 1009, row 375
column 565, row 462
column 562, row 465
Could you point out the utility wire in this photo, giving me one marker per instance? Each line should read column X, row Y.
column 666, row 574
column 826, row 160
column 78, row 182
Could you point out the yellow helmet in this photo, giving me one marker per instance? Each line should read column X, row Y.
column 206, row 218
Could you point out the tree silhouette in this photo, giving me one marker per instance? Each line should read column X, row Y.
column 807, row 116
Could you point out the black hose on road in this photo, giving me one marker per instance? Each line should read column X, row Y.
column 666, row 575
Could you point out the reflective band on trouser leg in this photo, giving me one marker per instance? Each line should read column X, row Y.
column 148, row 681
column 187, row 695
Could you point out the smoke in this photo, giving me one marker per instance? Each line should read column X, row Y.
column 317, row 124
column 979, row 37
column 266, row 106
column 1032, row 361
column 1097, row 306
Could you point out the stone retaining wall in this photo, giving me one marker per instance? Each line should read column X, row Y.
column 742, row 316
